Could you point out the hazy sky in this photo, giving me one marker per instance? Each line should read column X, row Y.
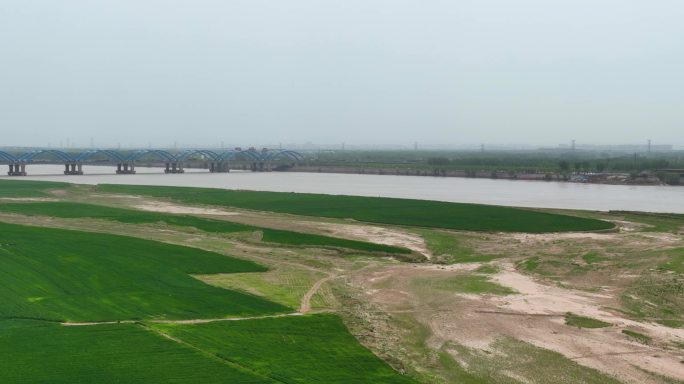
column 357, row 71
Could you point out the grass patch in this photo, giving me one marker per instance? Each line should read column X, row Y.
column 302, row 349
column 530, row 265
column 488, row 269
column 474, row 284
column 640, row 337
column 421, row 213
column 655, row 222
column 284, row 285
column 656, row 296
column 131, row 216
column 676, row 262
column 592, row 258
column 671, row 323
column 449, row 248
column 125, row 353
column 578, row 321
column 78, row 276
column 26, row 188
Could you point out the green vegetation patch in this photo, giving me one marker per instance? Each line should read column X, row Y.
column 584, row 322
column 298, row 238
column 78, row 210
column 285, row 285
column 592, row 258
column 25, row 188
column 420, row 213
column 530, row 265
column 449, row 248
column 488, row 269
column 475, row 284
column 299, row 349
column 654, row 222
column 657, row 296
column 78, row 276
column 640, row 337
column 676, row 262
column 671, row 323
column 32, row 353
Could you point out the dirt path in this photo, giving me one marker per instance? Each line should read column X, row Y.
column 31, row 199
column 305, row 305
column 203, row 321
column 188, row 321
column 166, row 207
column 87, row 324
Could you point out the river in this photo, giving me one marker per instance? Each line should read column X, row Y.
column 535, row 194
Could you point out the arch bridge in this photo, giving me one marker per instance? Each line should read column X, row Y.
column 173, row 161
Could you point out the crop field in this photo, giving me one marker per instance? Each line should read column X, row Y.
column 421, row 213
column 22, row 188
column 300, row 349
column 113, row 291
column 34, row 352
column 80, row 210
column 75, row 276
column 52, row 275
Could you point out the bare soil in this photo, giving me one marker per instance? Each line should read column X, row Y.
column 534, row 315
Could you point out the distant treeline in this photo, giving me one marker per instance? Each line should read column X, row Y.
column 519, row 161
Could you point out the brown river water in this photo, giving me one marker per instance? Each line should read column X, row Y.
column 537, row 194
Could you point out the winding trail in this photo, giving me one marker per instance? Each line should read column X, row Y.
column 305, row 305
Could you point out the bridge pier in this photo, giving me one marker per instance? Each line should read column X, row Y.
column 219, row 166
column 260, row 166
column 175, row 167
column 125, row 169
column 17, row 169
column 73, row 169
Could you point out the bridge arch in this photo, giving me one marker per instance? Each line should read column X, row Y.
column 210, row 154
column 283, row 153
column 30, row 156
column 6, row 157
column 113, row 155
column 241, row 155
column 162, row 155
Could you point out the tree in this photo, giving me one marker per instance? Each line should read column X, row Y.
column 438, row 161
column 585, row 166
